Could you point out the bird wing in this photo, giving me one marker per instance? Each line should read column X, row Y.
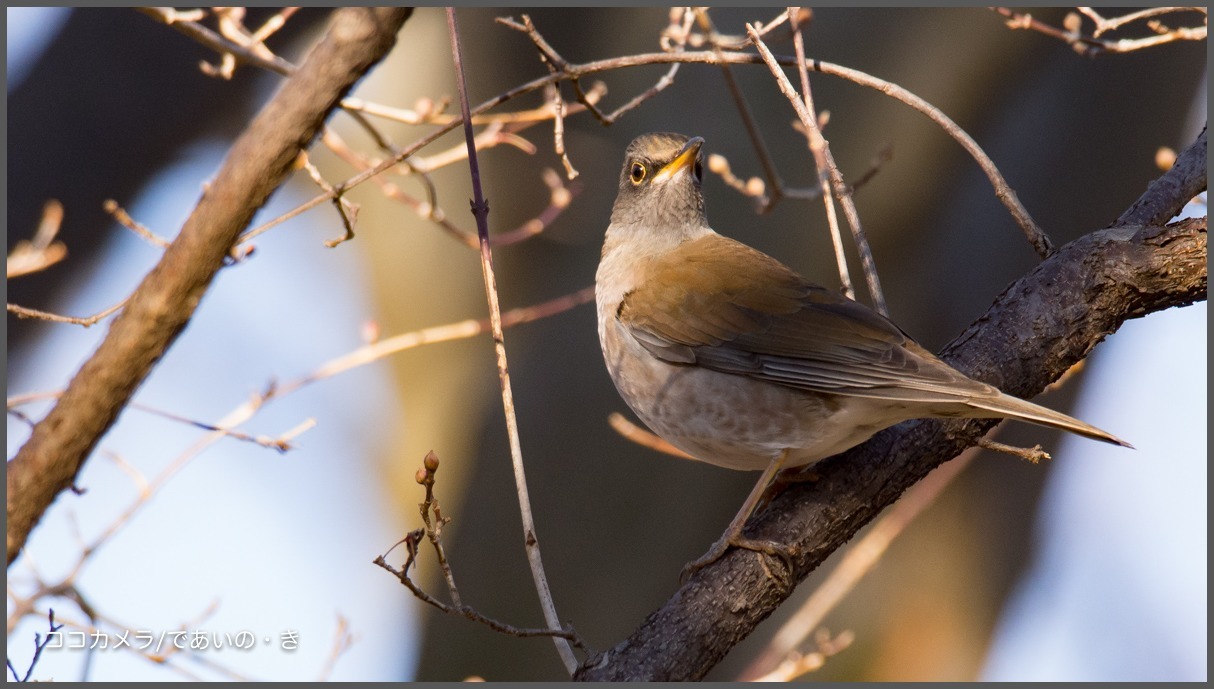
column 722, row 305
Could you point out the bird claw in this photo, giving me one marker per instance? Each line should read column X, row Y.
column 762, row 547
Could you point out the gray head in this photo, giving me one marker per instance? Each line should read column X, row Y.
column 660, row 184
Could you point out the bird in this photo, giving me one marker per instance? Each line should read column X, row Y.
column 740, row 362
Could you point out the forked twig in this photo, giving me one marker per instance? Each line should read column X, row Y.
column 560, row 68
column 433, row 520
column 40, row 643
column 1094, row 44
column 823, row 163
column 41, row 252
column 797, row 664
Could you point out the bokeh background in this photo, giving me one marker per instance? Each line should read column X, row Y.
column 1102, row 578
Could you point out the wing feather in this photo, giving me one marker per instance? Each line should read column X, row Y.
column 716, row 303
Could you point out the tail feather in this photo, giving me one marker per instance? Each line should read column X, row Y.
column 1015, row 408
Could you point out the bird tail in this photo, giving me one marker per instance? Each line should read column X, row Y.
column 1013, row 407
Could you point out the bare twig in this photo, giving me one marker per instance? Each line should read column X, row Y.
column 1033, row 454
column 40, row 643
column 86, row 321
column 642, row 437
column 347, row 210
column 111, row 206
column 1113, row 23
column 429, row 113
column 825, row 161
column 559, row 199
column 480, row 210
column 343, row 639
column 41, row 252
column 281, row 443
column 1094, row 44
column 764, row 202
column 188, row 25
column 561, row 69
column 797, row 664
column 828, row 174
column 433, row 521
column 442, row 333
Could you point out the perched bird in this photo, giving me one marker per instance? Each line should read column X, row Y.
column 735, row 359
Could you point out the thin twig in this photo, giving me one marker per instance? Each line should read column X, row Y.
column 797, row 664
column 41, row 252
column 561, row 68
column 214, row 41
column 642, row 437
column 434, row 526
column 559, row 199
column 442, row 333
column 86, row 321
column 343, row 639
column 347, row 210
column 111, row 206
column 765, row 202
column 841, row 190
column 817, row 145
column 40, row 644
column 480, row 210
column 1094, row 45
column 1113, row 23
column 558, row 131
column 1033, row 454
column 433, row 521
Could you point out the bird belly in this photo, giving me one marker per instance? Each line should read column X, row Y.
column 731, row 420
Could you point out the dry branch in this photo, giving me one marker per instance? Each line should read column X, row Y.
column 166, row 299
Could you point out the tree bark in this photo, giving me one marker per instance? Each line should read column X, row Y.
column 1037, row 329
column 165, row 301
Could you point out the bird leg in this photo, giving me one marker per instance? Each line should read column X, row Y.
column 733, row 534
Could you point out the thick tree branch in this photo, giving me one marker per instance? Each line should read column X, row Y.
column 1038, row 328
column 1165, row 196
column 164, row 302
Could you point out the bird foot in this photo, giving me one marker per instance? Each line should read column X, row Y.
column 762, row 547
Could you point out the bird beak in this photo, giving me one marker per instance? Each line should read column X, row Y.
column 685, row 159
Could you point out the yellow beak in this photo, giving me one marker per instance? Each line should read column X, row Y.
column 686, row 158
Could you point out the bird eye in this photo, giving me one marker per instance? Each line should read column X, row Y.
column 637, row 173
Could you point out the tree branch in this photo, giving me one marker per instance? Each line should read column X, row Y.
column 163, row 303
column 1036, row 329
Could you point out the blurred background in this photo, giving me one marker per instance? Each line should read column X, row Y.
column 1092, row 566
